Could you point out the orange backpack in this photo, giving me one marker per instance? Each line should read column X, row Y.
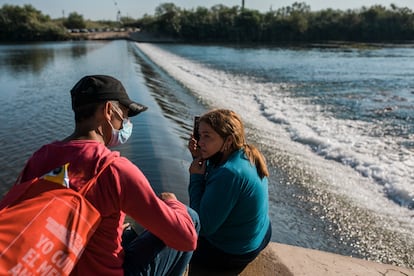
column 45, row 226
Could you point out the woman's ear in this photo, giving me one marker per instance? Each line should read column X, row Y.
column 228, row 142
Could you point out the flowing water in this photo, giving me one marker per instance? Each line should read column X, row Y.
column 336, row 127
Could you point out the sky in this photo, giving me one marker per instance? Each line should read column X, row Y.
column 108, row 9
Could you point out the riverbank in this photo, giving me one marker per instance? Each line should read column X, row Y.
column 138, row 36
column 149, row 37
column 112, row 35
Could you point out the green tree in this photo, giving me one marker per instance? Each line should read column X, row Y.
column 297, row 20
column 326, row 25
column 223, row 20
column 27, row 24
column 168, row 18
column 196, row 24
column 75, row 21
column 248, row 25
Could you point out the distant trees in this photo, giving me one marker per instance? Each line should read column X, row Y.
column 379, row 23
column 74, row 21
column 25, row 23
column 293, row 23
column 28, row 24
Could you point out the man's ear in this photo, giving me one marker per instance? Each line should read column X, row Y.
column 107, row 110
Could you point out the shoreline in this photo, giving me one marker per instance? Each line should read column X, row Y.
column 151, row 37
column 148, row 37
column 138, row 36
column 100, row 35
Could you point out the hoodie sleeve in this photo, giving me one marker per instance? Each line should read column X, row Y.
column 168, row 220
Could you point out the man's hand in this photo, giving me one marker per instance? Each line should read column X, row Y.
column 166, row 196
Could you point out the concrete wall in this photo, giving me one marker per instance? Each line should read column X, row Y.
column 286, row 260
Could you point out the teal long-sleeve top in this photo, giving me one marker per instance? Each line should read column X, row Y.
column 233, row 204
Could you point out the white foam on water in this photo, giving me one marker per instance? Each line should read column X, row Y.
column 357, row 166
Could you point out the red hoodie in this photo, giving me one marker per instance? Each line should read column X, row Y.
column 121, row 190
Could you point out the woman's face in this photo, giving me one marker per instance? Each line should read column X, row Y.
column 210, row 141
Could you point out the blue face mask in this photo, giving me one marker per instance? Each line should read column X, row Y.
column 122, row 135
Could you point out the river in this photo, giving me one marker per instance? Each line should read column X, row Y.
column 335, row 124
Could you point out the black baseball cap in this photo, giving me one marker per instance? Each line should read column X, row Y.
column 100, row 88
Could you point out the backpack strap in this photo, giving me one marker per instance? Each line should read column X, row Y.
column 93, row 180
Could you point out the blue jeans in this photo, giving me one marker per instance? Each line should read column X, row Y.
column 145, row 254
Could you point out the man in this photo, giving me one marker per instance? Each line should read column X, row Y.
column 102, row 109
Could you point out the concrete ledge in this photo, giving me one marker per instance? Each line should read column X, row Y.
column 286, row 260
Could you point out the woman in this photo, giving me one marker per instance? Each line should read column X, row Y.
column 229, row 190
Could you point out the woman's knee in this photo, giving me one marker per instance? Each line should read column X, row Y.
column 194, row 216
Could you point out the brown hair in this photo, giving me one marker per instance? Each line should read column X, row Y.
column 228, row 123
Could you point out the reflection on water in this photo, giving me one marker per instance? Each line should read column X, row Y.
column 79, row 51
column 34, row 58
column 20, row 60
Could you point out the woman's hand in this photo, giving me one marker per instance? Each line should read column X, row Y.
column 198, row 166
column 193, row 147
